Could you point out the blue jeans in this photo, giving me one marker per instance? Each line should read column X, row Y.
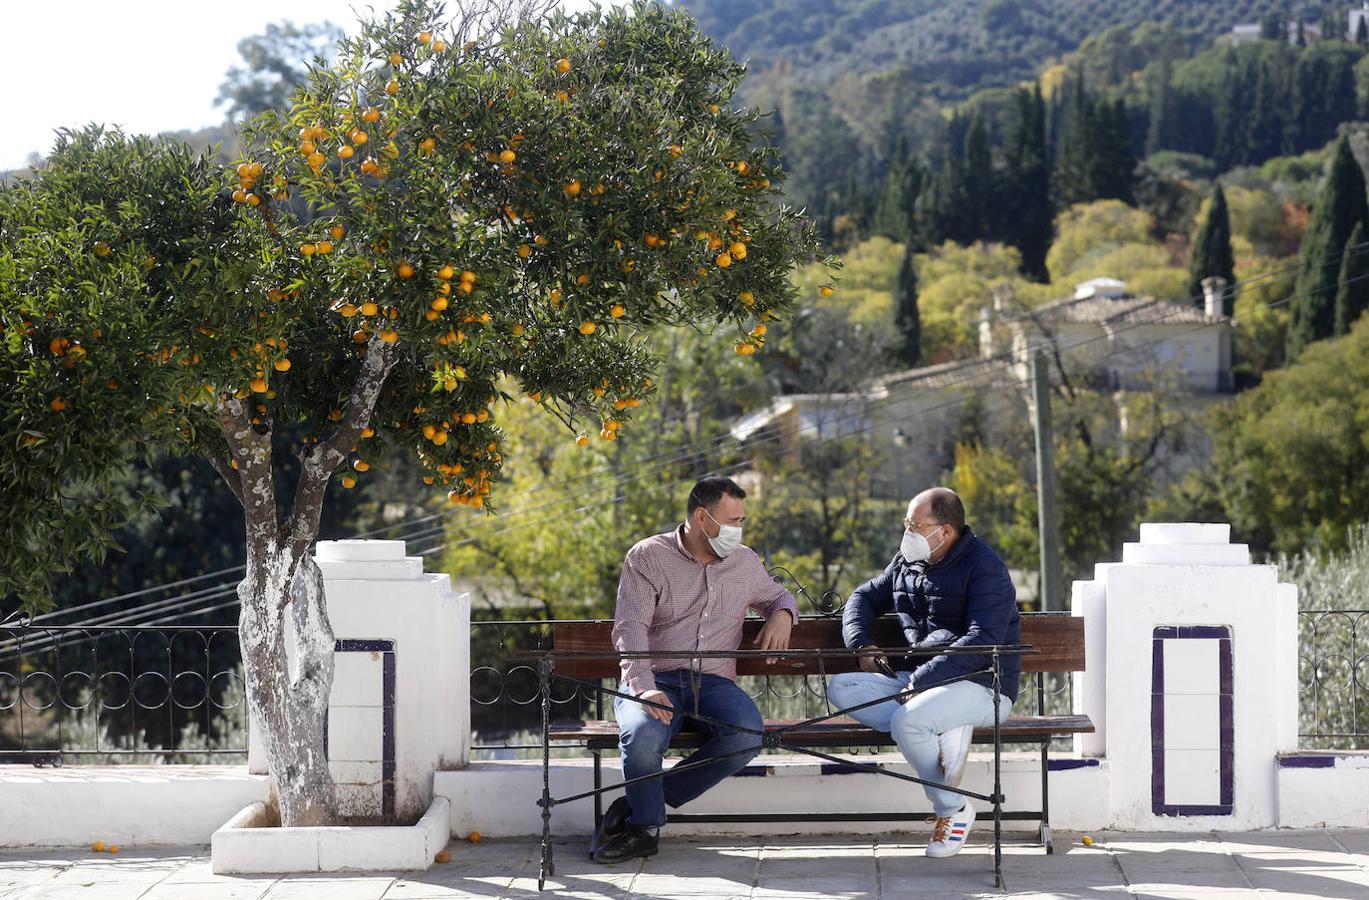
column 644, row 740
column 917, row 722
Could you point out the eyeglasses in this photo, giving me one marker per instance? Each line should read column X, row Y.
column 910, row 525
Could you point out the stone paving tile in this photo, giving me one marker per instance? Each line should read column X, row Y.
column 833, row 885
column 223, row 891
column 336, row 888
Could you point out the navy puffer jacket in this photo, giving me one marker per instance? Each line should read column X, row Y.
column 967, row 597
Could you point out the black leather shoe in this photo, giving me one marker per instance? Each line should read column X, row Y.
column 611, row 825
column 633, row 843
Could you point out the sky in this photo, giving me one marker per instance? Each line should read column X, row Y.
column 147, row 65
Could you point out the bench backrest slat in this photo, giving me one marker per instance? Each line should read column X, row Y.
column 1058, row 639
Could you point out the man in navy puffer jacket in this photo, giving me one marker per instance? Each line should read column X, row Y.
column 948, row 588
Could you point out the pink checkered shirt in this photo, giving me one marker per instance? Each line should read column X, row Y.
column 668, row 600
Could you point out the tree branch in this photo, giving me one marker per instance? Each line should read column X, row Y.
column 319, row 461
column 229, row 476
column 257, row 493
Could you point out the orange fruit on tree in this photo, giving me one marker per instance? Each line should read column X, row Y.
column 524, row 251
column 345, row 152
column 389, row 335
column 349, row 481
column 572, row 188
column 258, row 385
column 101, row 249
column 507, row 156
column 57, row 404
column 392, row 87
column 337, row 231
column 369, row 308
column 439, row 46
column 405, row 271
column 563, row 65
column 307, row 249
column 425, row 37
column 724, row 260
column 360, row 465
column 324, row 246
column 282, row 365
column 253, row 200
column 582, row 440
column 371, row 114
column 617, row 310
column 825, row 291
column 445, row 273
column 588, row 327
column 396, row 58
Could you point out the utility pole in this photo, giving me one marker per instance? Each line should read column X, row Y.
column 1048, row 520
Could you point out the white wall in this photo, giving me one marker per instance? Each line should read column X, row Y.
column 128, row 805
column 499, row 799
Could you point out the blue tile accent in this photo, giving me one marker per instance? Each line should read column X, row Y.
column 1064, row 765
column 1307, row 762
column 839, row 769
column 752, row 772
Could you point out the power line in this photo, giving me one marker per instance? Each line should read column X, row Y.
column 967, row 374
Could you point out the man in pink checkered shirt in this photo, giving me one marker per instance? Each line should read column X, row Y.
column 687, row 589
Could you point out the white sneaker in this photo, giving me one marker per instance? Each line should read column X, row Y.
column 955, row 749
column 950, row 833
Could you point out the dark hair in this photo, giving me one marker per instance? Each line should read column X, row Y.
column 708, row 491
column 946, row 508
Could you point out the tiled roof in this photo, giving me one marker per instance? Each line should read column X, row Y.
column 1128, row 309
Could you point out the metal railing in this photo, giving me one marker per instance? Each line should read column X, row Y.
column 1333, row 679
column 120, row 694
column 175, row 694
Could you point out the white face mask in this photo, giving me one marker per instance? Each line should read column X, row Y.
column 915, row 547
column 728, row 540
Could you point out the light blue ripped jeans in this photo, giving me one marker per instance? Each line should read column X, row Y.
column 917, row 722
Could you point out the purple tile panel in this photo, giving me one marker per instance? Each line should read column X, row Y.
column 1226, row 723
column 387, row 700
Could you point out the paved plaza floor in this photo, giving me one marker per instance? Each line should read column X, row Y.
column 1323, row 863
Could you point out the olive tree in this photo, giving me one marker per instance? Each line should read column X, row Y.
column 451, row 211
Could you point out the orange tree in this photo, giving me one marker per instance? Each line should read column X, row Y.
column 445, row 211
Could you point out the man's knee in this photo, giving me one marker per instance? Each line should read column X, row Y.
column 747, row 734
column 643, row 738
column 909, row 720
column 840, row 685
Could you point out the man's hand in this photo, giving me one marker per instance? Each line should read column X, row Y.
column 775, row 633
column 661, row 715
column 872, row 664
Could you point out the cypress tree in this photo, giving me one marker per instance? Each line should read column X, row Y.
column 906, row 316
column 1072, row 162
column 1212, row 253
column 1352, row 294
column 977, row 183
column 1028, row 184
column 1111, row 165
column 1362, row 33
column 1301, row 39
column 1271, row 27
column 1160, row 127
column 894, row 213
column 1340, row 206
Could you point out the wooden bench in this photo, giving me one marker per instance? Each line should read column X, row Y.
column 1057, row 639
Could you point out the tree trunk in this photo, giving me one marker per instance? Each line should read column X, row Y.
column 287, row 695
column 289, row 702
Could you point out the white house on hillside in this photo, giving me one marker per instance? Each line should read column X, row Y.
column 1108, row 339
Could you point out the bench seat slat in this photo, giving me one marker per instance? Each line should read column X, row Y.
column 839, row 732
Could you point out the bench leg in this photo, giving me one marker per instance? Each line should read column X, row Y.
column 1046, row 798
